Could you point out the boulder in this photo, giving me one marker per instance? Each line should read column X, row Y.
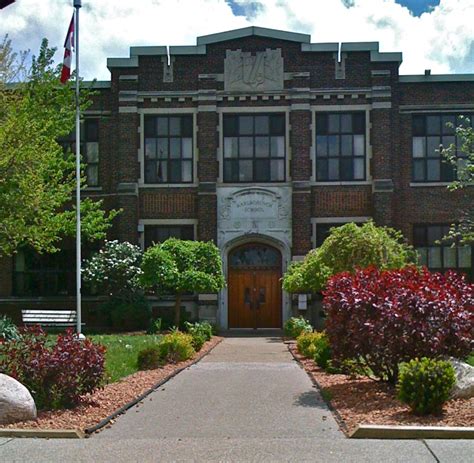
column 16, row 403
column 464, row 387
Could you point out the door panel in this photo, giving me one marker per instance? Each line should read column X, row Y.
column 241, row 307
column 268, row 294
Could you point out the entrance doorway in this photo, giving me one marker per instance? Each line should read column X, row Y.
column 254, row 287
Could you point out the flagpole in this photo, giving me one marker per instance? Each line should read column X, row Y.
column 77, row 6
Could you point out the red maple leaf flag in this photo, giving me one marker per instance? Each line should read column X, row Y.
column 68, row 45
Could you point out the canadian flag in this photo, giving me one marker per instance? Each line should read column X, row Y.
column 68, row 45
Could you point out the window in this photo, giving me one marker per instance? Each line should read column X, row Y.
column 428, row 133
column 89, row 148
column 323, row 230
column 159, row 233
column 254, row 148
column 44, row 274
column 440, row 257
column 340, row 147
column 168, row 149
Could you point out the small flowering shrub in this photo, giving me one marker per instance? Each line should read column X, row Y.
column 383, row 318
column 294, row 326
column 176, row 347
column 316, row 346
column 57, row 375
column 425, row 384
column 149, row 358
column 8, row 329
column 200, row 332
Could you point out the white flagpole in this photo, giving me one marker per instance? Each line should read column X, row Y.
column 77, row 6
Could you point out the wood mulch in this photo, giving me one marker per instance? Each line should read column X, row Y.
column 102, row 403
column 364, row 401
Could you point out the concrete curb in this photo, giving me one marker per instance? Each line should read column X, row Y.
column 138, row 399
column 370, row 431
column 43, row 433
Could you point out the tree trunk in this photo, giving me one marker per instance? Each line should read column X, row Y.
column 177, row 310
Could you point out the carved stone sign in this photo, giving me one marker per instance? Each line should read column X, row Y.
column 263, row 211
column 260, row 72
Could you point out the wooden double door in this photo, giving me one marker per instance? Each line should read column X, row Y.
column 254, row 287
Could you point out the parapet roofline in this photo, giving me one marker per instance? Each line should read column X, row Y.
column 413, row 79
column 304, row 39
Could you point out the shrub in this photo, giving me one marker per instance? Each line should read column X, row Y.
column 425, row 385
column 200, row 332
column 155, row 326
column 294, row 326
column 383, row 318
column 315, row 346
column 8, row 329
column 176, row 347
column 131, row 315
column 307, row 276
column 149, row 358
column 57, row 375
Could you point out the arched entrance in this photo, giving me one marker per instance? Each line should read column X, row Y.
column 254, row 287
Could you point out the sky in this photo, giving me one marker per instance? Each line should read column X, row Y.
column 432, row 34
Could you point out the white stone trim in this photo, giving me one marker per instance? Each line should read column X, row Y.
column 143, row 222
column 316, row 220
column 252, row 110
column 141, row 150
column 368, row 147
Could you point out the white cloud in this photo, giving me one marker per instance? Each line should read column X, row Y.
column 441, row 40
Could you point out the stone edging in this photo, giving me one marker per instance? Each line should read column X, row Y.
column 336, row 414
column 372, row 431
column 43, row 433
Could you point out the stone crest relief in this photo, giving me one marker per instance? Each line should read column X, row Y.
column 260, row 72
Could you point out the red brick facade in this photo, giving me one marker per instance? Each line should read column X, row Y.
column 313, row 81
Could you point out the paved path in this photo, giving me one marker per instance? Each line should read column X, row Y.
column 246, row 401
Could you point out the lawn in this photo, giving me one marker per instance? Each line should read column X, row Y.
column 470, row 360
column 122, row 351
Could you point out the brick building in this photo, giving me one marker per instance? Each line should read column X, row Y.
column 260, row 140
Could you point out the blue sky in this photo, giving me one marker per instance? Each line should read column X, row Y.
column 431, row 34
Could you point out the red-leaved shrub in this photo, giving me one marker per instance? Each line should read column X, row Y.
column 57, row 374
column 383, row 318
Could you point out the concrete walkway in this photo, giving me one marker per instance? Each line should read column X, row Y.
column 246, row 401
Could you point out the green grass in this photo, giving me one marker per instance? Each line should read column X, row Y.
column 122, row 351
column 470, row 360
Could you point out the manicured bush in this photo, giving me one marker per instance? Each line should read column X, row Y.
column 383, row 318
column 316, row 346
column 176, row 347
column 149, row 358
column 307, row 276
column 200, row 332
column 425, row 384
column 57, row 375
column 294, row 326
column 8, row 329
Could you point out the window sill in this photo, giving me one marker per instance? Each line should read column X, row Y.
column 167, row 185
column 253, row 184
column 353, row 182
column 92, row 188
column 428, row 184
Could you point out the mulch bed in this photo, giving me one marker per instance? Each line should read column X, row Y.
column 364, row 401
column 102, row 403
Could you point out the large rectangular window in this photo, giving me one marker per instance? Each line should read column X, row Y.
column 168, row 149
column 44, row 274
column 89, row 149
column 159, row 233
column 254, row 148
column 431, row 133
column 440, row 256
column 340, row 147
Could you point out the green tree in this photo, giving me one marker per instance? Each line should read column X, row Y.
column 37, row 180
column 348, row 247
column 462, row 160
column 177, row 267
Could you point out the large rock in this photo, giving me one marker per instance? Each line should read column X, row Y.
column 464, row 387
column 16, row 403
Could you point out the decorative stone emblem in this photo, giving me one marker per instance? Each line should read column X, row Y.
column 246, row 72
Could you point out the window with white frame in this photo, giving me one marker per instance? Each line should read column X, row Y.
column 340, row 146
column 431, row 133
column 168, row 149
column 438, row 255
column 254, row 148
